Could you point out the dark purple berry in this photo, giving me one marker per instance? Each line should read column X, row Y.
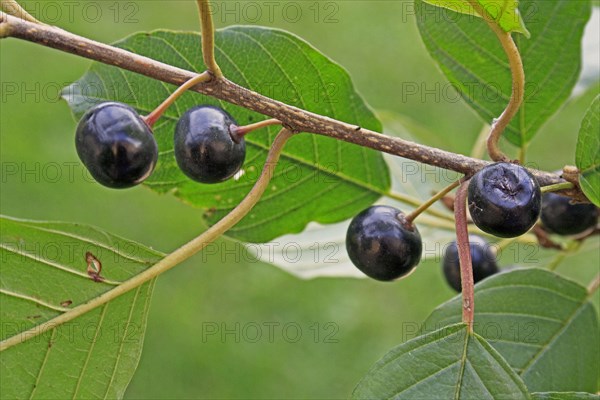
column 382, row 244
column 504, row 200
column 204, row 148
column 561, row 217
column 116, row 145
column 482, row 258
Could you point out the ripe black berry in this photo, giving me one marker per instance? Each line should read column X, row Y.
column 482, row 257
column 504, row 200
column 382, row 244
column 204, row 148
column 116, row 145
column 561, row 217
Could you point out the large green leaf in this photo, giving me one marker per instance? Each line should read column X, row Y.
column 588, row 153
column 43, row 275
column 472, row 59
column 541, row 323
column 445, row 364
column 318, row 179
column 504, row 12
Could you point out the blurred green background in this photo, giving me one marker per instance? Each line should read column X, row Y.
column 378, row 42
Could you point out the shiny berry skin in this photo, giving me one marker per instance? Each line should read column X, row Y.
column 504, row 200
column 116, row 145
column 561, row 217
column 382, row 244
column 482, row 258
column 204, row 148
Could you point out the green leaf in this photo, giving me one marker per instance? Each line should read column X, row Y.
column 43, row 275
column 564, row 396
column 541, row 323
column 504, row 12
column 472, row 59
column 319, row 179
column 445, row 364
column 587, row 156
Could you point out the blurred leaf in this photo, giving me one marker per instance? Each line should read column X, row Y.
column 44, row 274
column 504, row 12
column 564, row 396
column 543, row 325
column 588, row 153
column 472, row 59
column 445, row 364
column 319, row 179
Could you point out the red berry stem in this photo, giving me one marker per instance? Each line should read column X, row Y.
column 464, row 255
column 238, row 132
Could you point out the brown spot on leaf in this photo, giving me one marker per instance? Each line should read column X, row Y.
column 94, row 267
column 66, row 303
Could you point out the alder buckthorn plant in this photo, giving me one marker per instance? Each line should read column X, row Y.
column 287, row 238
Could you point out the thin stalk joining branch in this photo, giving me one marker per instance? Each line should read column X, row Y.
column 556, row 187
column 174, row 258
column 151, row 118
column 425, row 206
column 518, row 83
column 464, row 255
column 13, row 8
column 516, row 98
column 208, row 38
column 240, row 131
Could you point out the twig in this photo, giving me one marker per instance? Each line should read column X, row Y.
column 173, row 259
column 464, row 255
column 296, row 119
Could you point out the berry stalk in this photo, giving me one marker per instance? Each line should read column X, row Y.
column 238, row 132
column 557, row 187
column 151, row 118
column 425, row 206
column 464, row 255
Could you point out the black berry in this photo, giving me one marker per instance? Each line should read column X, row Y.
column 561, row 217
column 204, row 148
column 116, row 145
column 382, row 244
column 504, row 200
column 482, row 257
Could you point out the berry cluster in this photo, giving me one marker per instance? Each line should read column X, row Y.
column 504, row 200
column 118, row 148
